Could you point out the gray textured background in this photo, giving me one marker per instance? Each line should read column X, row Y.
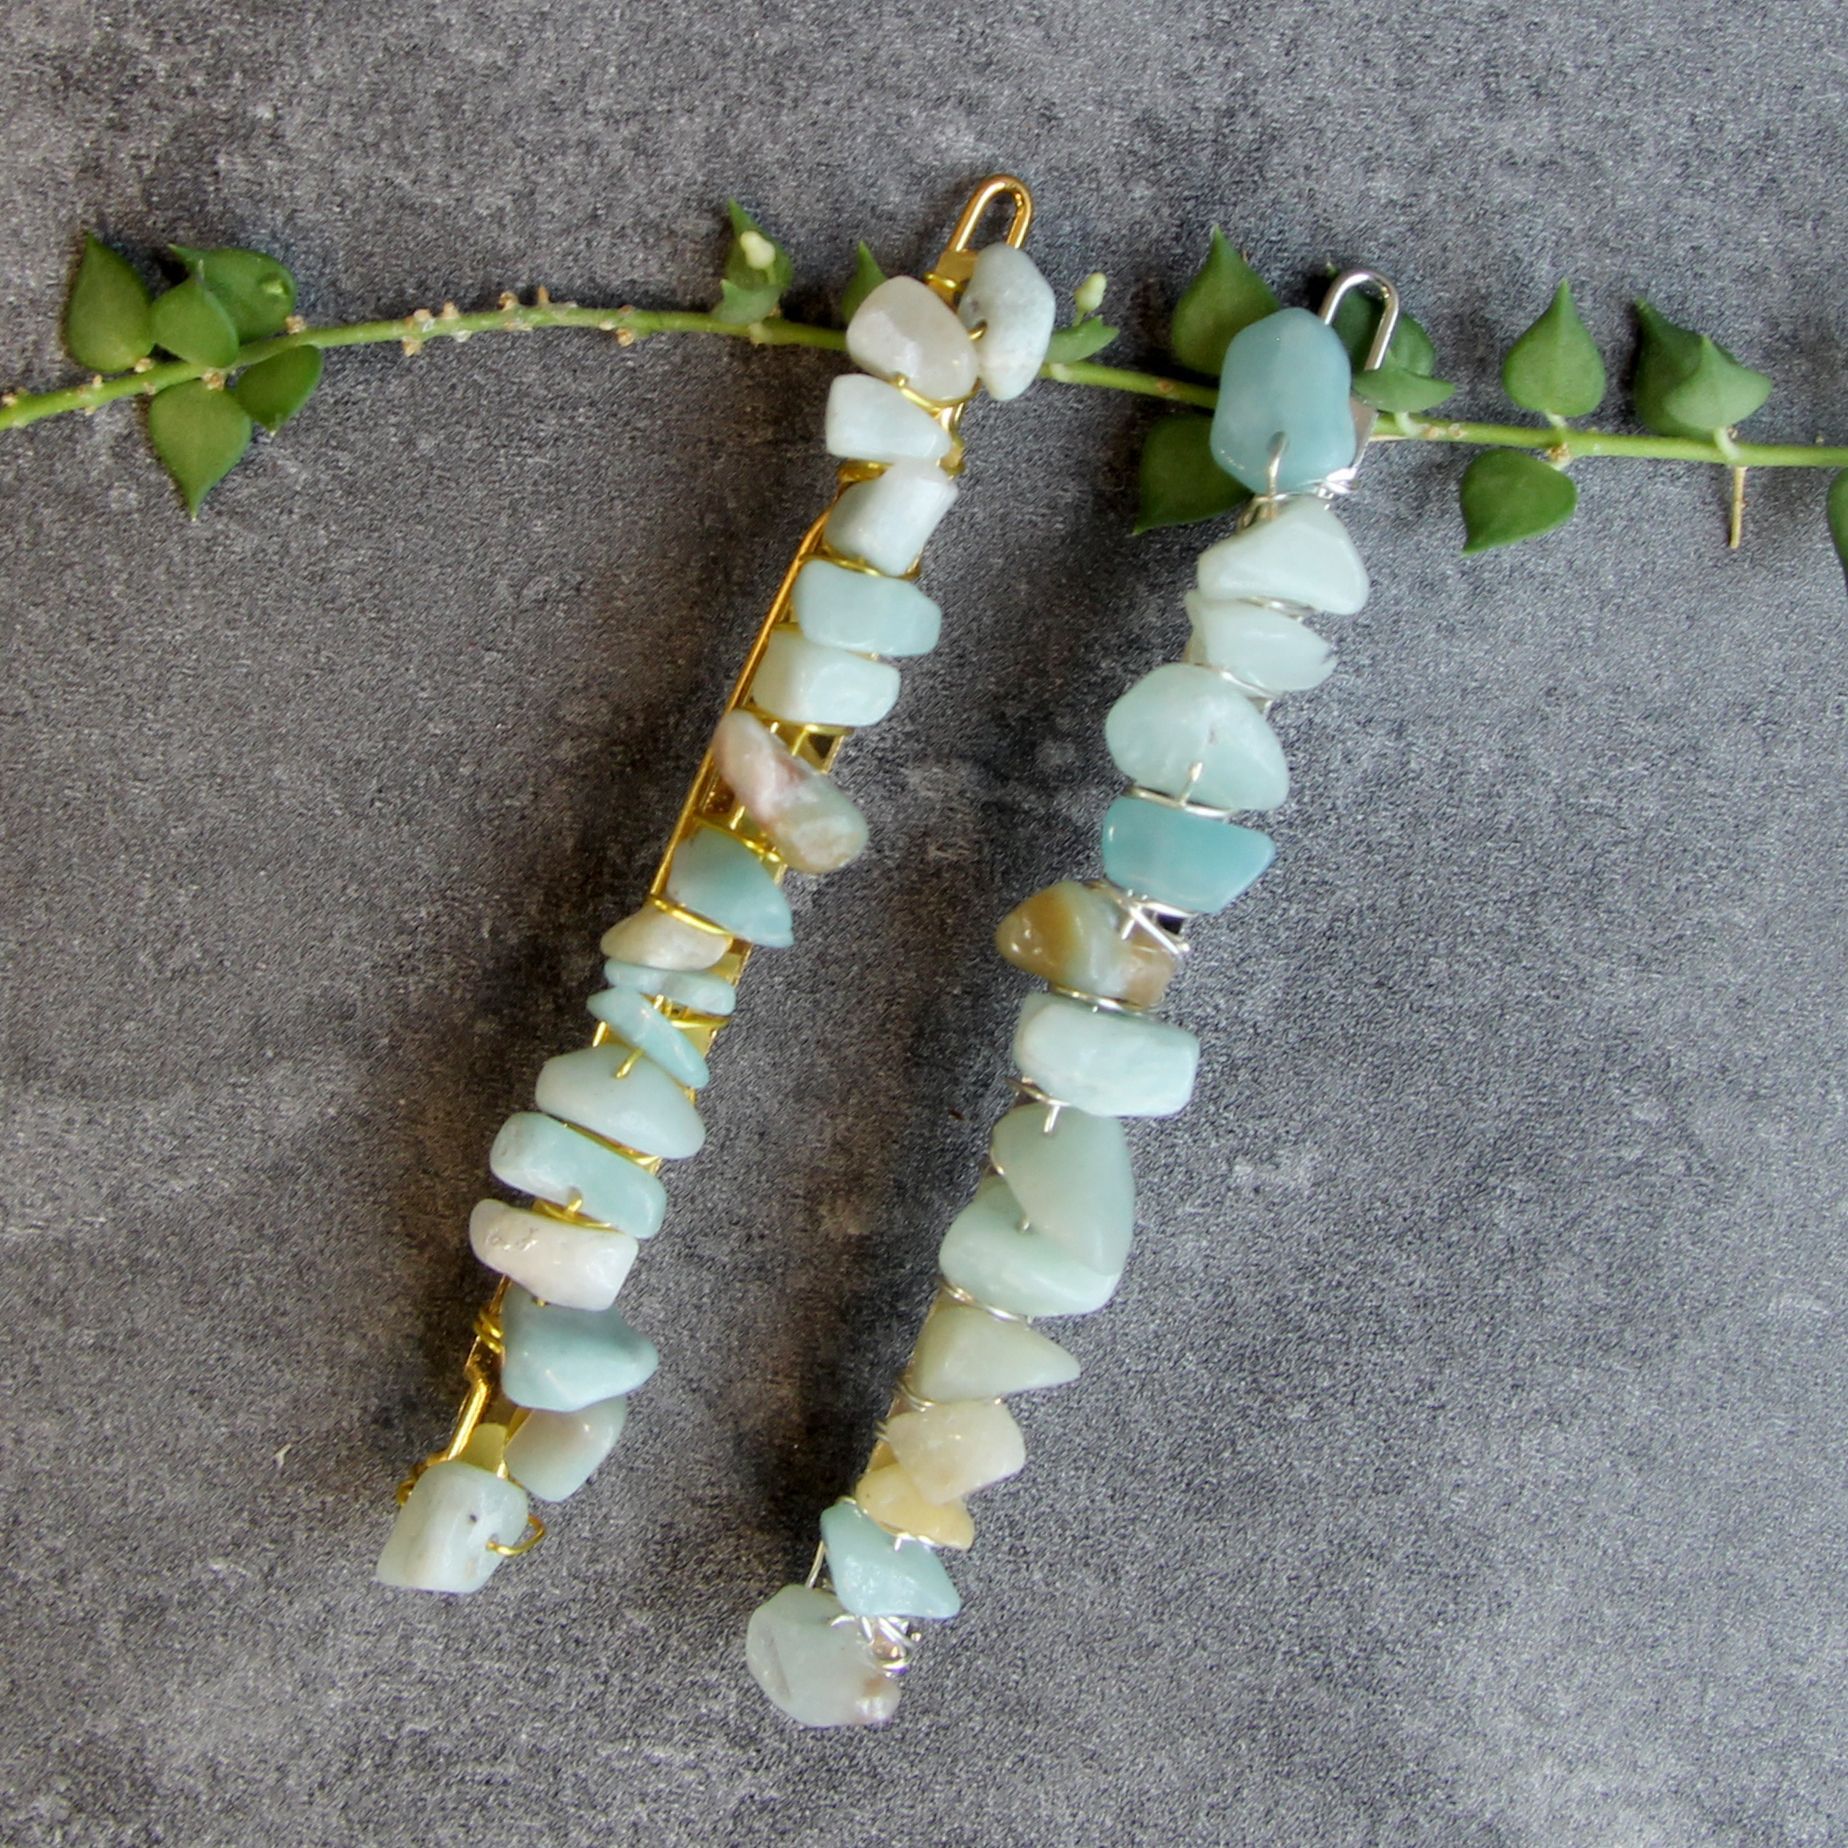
column 1462, row 1460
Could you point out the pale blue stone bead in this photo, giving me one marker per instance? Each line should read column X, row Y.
column 553, row 1454
column 1287, row 375
column 877, row 1575
column 1179, row 720
column 644, row 1109
column 695, row 988
column 561, row 1360
column 1008, row 298
column 1185, row 861
column 905, row 330
column 1103, row 1062
column 550, row 1160
column 717, row 877
column 809, row 683
column 1073, row 1182
column 870, row 421
column 814, row 1666
column 637, row 1022
column 871, row 615
column 1302, row 554
column 583, row 1267
column 991, row 1253
column 1269, row 651
column 966, row 1353
column 886, row 522
column 439, row 1541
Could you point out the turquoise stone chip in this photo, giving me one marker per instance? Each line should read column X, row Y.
column 1073, row 1182
column 695, row 988
column 644, row 1109
column 876, row 1575
column 986, row 1253
column 439, row 1542
column 886, row 522
column 1286, row 375
column 553, row 1454
column 1108, row 1064
column 811, row 683
column 552, row 1161
column 870, row 615
column 1301, row 554
column 814, row 1663
column 717, row 877
column 1190, row 862
column 966, row 1353
column 638, row 1023
column 561, row 1360
column 1188, row 731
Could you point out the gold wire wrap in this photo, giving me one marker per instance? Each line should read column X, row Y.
column 710, row 804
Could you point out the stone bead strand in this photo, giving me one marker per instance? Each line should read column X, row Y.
column 1049, row 1229
column 609, row 1116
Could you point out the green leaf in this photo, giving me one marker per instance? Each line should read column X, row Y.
column 273, row 390
column 1357, row 315
column 1555, row 368
column 1688, row 385
column 189, row 322
column 1393, row 387
column 1079, row 341
column 1226, row 295
column 199, row 434
column 256, row 291
column 106, row 324
column 1838, row 516
column 757, row 271
column 1509, row 495
column 1180, row 481
column 867, row 276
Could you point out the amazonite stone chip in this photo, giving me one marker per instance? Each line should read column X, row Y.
column 871, row 615
column 1187, row 731
column 869, row 421
column 810, row 683
column 695, row 988
column 1078, row 937
column 904, row 330
column 1269, row 651
column 1106, row 1063
column 582, row 1267
column 876, row 1575
column 439, row 1542
column 1184, row 861
column 991, row 1252
column 810, row 823
column 1301, row 555
column 813, row 1661
column 561, row 1360
column 886, row 522
column 717, row 877
column 662, row 941
column 1284, row 376
column 1008, row 298
column 966, row 1353
column 638, row 1023
column 952, row 1450
column 553, row 1454
column 1072, row 1180
column 643, row 1109
column 552, row 1161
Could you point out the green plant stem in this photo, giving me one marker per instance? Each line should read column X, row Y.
column 633, row 324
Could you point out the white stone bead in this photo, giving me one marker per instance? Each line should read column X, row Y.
column 1266, row 649
column 950, row 1451
column 1012, row 302
column 1303, row 555
column 869, row 421
column 811, row 683
column 553, row 1454
column 813, row 826
column 439, row 1542
column 659, row 940
column 904, row 330
column 886, row 522
column 578, row 1267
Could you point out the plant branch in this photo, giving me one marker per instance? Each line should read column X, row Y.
column 632, row 324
